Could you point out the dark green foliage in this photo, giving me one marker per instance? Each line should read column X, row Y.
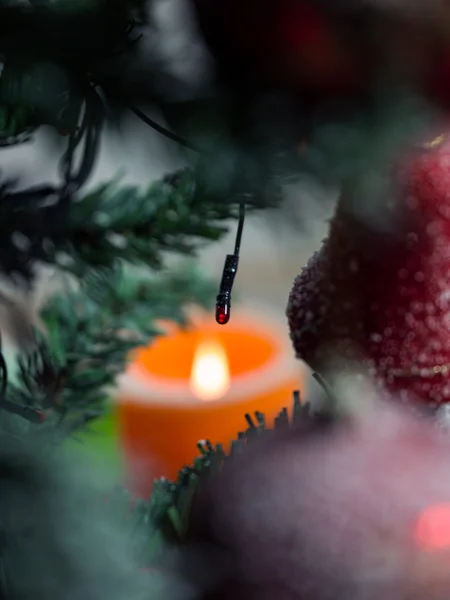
column 109, row 223
column 89, row 335
column 90, row 327
column 77, row 34
column 51, row 53
column 135, row 225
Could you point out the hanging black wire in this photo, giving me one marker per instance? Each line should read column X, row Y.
column 39, row 212
column 89, row 132
column 74, row 176
column 91, row 121
column 163, row 130
column 3, row 373
column 223, row 300
column 240, row 229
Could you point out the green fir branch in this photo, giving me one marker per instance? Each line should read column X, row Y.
column 89, row 336
column 124, row 222
column 112, row 222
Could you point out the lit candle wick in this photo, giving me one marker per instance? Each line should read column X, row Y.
column 210, row 376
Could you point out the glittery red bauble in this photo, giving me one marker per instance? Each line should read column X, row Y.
column 378, row 294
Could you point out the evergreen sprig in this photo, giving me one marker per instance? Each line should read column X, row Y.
column 137, row 225
column 89, row 334
column 111, row 222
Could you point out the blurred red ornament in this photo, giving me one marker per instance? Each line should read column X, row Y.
column 283, row 42
column 348, row 510
column 377, row 295
column 318, row 47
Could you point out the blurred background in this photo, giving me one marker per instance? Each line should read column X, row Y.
column 276, row 244
column 293, row 98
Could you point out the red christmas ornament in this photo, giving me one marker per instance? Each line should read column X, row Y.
column 380, row 299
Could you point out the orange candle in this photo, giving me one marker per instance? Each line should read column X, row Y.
column 198, row 384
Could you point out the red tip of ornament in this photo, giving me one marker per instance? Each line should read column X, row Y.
column 433, row 528
column 222, row 314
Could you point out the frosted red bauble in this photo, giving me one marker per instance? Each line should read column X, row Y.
column 377, row 294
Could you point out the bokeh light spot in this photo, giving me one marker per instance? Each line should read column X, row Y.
column 433, row 528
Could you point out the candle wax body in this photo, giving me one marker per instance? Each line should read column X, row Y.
column 160, row 437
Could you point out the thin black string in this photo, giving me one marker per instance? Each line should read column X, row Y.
column 163, row 131
column 240, row 229
column 229, row 272
column 3, row 375
column 88, row 129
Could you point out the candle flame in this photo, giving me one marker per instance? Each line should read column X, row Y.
column 210, row 376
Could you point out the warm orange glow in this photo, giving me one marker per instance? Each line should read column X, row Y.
column 247, row 350
column 433, row 528
column 210, row 375
column 198, row 383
